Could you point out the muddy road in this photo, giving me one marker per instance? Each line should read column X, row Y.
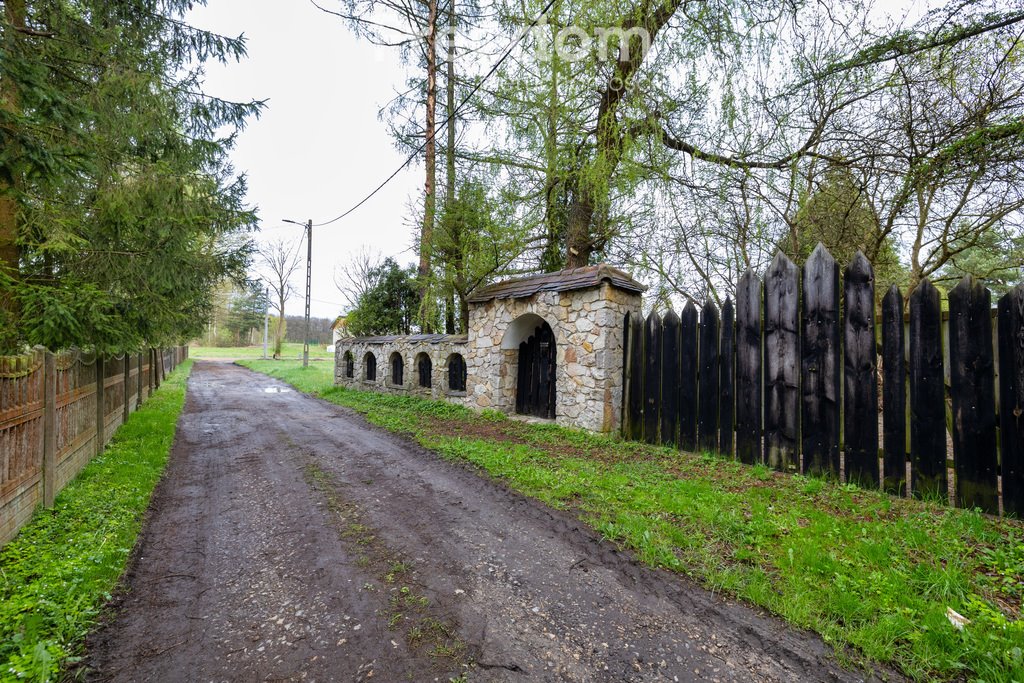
column 290, row 540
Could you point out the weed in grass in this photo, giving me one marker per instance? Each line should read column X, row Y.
column 812, row 487
column 934, row 497
column 446, row 650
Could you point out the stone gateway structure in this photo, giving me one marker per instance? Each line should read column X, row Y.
column 549, row 347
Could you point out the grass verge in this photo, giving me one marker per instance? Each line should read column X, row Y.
column 59, row 571
column 874, row 575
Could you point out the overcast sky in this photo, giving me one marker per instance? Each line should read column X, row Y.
column 319, row 147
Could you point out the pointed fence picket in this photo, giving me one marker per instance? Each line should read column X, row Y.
column 748, row 369
column 707, row 378
column 819, row 364
column 894, row 394
column 782, row 365
column 792, row 376
column 652, row 377
column 927, row 395
column 687, row 401
column 727, row 380
column 860, row 378
column 1011, row 399
column 669, row 407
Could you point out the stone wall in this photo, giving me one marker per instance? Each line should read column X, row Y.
column 409, row 348
column 588, row 328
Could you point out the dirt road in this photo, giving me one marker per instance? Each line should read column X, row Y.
column 290, row 540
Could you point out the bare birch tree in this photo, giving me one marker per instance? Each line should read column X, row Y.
column 279, row 260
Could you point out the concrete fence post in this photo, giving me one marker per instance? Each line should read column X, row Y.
column 157, row 362
column 127, row 390
column 138, row 395
column 49, row 429
column 100, row 426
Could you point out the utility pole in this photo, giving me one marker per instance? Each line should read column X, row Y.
column 309, row 280
column 266, row 320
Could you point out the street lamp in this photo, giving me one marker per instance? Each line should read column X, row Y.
column 308, row 225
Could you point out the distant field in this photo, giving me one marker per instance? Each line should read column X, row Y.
column 290, row 351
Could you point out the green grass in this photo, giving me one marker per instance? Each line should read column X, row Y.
column 872, row 574
column 58, row 572
column 289, row 351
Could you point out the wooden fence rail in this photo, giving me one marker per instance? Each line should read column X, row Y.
column 57, row 411
column 791, row 376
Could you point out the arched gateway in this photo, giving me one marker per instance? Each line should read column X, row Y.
column 535, row 377
column 548, row 346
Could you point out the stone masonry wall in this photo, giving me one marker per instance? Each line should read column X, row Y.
column 588, row 329
column 438, row 352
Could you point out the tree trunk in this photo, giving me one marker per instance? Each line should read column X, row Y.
column 463, row 314
column 590, row 196
column 579, row 243
column 429, row 185
column 553, row 217
column 449, row 313
column 278, row 335
column 450, row 103
column 449, row 321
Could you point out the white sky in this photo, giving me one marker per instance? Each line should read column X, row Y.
column 319, row 146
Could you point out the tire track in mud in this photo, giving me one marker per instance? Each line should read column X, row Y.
column 268, row 501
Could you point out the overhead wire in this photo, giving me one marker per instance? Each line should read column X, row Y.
column 443, row 123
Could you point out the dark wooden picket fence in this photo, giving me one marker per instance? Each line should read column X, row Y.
column 789, row 376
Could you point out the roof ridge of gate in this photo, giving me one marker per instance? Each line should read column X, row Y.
column 584, row 277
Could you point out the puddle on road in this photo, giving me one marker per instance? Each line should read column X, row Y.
column 276, row 390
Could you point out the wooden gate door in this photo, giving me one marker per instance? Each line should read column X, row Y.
column 535, row 381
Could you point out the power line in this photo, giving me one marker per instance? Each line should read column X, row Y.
column 440, row 126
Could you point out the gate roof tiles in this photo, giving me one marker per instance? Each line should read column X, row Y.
column 561, row 281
